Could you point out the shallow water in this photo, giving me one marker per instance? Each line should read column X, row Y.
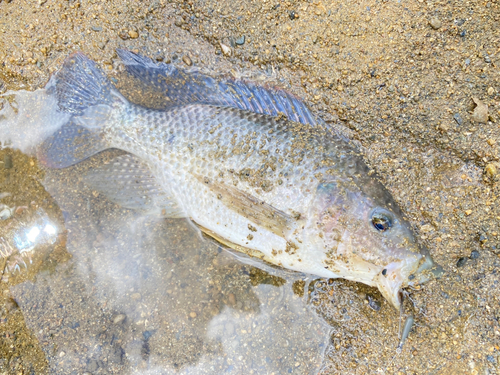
column 139, row 295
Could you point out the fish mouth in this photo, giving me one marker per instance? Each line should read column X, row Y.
column 409, row 272
column 393, row 278
column 427, row 270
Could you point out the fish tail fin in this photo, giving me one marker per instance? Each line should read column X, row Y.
column 69, row 145
column 80, row 84
column 83, row 91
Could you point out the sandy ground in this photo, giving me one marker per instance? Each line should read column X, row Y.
column 407, row 81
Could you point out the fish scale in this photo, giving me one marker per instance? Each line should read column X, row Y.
column 193, row 145
column 226, row 156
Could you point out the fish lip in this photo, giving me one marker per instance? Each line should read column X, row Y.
column 398, row 274
column 395, row 279
column 427, row 270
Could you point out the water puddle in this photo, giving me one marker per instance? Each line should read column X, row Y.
column 100, row 289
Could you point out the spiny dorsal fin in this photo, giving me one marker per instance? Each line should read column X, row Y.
column 181, row 87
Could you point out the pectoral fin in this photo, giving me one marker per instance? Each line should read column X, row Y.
column 252, row 208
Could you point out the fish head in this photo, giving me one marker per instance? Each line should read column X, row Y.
column 366, row 239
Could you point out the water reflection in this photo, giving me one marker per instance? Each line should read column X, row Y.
column 142, row 295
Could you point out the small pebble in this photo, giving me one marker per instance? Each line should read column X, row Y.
column 491, row 91
column 435, row 23
column 232, row 299
column 5, row 212
column 491, row 170
column 136, row 296
column 226, row 50
column 96, row 28
column 461, row 262
column 7, row 162
column 192, row 314
column 178, row 21
column 458, row 119
column 92, row 365
column 480, row 113
column 187, row 60
column 373, row 303
column 474, row 254
column 120, row 318
column 133, row 34
column 241, row 40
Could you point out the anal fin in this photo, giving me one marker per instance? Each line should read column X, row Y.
column 127, row 181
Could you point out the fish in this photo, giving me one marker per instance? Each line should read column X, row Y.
column 250, row 165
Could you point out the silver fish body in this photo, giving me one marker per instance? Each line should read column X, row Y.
column 291, row 193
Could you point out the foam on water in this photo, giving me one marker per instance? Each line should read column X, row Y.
column 29, row 118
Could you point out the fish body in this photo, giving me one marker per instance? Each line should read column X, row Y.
column 293, row 193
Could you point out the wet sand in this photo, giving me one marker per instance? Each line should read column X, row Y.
column 119, row 293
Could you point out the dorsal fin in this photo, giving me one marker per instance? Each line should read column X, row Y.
column 182, row 87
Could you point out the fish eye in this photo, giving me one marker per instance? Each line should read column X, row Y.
column 381, row 222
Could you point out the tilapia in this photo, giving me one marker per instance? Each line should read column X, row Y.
column 250, row 165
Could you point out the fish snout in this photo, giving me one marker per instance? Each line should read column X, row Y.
column 408, row 272
column 427, row 270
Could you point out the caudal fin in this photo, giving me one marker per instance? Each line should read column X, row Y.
column 69, row 145
column 83, row 91
column 80, row 84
